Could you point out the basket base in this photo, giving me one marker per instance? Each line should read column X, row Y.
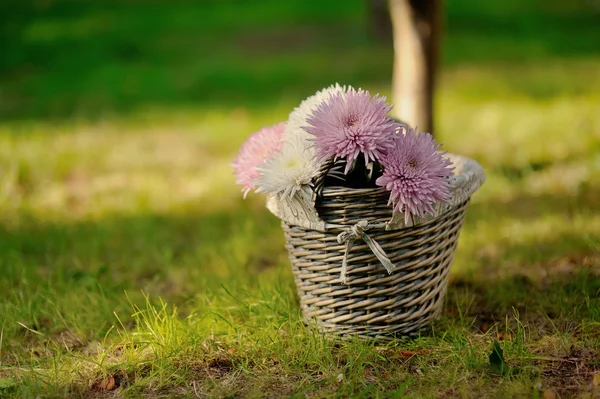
column 337, row 332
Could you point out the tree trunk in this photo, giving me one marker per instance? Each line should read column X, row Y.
column 417, row 27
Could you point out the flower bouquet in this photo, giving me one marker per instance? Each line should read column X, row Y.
column 370, row 208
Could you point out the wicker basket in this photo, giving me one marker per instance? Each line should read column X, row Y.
column 338, row 259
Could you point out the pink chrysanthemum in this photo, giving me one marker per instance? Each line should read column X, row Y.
column 257, row 149
column 415, row 173
column 347, row 124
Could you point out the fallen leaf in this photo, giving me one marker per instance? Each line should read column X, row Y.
column 107, row 384
column 407, row 354
column 231, row 351
column 596, row 379
column 504, row 337
column 340, row 377
column 483, row 328
column 497, row 362
column 550, row 394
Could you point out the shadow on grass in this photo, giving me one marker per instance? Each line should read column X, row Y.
column 152, row 245
column 55, row 274
column 68, row 279
column 520, row 30
column 58, row 275
column 67, row 59
column 558, row 303
column 531, row 263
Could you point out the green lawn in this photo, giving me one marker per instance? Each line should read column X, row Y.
column 131, row 266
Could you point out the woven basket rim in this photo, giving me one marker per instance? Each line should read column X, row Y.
column 301, row 210
column 334, row 190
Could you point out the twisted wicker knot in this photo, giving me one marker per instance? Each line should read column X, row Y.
column 358, row 231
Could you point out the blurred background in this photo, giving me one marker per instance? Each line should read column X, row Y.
column 65, row 59
column 119, row 121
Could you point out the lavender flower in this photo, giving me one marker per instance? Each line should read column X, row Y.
column 416, row 175
column 255, row 151
column 347, row 124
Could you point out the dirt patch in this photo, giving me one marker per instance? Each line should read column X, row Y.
column 219, row 367
column 573, row 373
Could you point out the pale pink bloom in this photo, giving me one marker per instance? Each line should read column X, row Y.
column 415, row 173
column 347, row 124
column 255, row 151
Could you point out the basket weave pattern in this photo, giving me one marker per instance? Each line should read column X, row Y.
column 373, row 304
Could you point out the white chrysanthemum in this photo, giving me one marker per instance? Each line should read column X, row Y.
column 301, row 113
column 290, row 169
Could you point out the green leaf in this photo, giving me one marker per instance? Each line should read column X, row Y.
column 497, row 362
column 6, row 383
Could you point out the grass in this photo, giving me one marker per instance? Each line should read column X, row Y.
column 130, row 268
